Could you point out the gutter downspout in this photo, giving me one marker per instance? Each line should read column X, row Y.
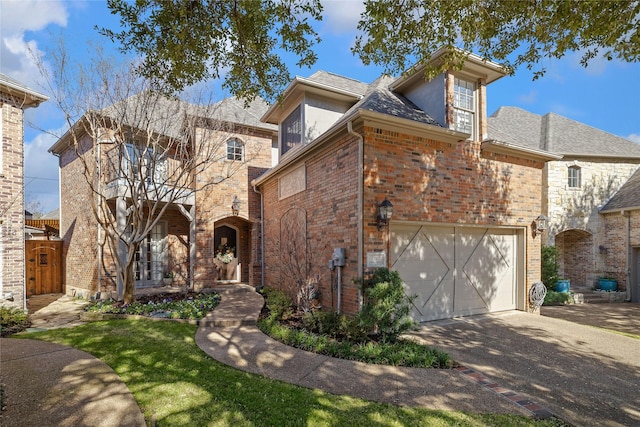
column 627, row 242
column 360, row 203
column 261, row 236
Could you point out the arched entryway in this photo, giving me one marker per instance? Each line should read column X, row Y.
column 575, row 250
column 225, row 239
column 231, row 243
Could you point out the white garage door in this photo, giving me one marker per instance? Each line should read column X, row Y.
column 456, row 271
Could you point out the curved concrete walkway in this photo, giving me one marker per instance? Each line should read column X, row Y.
column 584, row 375
column 229, row 334
column 47, row 384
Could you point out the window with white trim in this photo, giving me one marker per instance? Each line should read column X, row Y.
column 574, row 177
column 464, row 106
column 235, row 150
column 291, row 131
column 142, row 164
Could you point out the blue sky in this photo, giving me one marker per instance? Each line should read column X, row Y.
column 606, row 95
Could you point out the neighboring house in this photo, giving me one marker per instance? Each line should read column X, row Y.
column 14, row 99
column 594, row 165
column 42, row 229
column 193, row 228
column 464, row 205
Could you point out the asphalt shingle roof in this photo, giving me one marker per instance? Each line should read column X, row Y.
column 158, row 110
column 557, row 134
column 339, row 82
column 233, row 110
column 628, row 196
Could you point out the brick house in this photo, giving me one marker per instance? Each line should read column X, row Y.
column 620, row 239
column 593, row 167
column 218, row 207
column 14, row 98
column 461, row 232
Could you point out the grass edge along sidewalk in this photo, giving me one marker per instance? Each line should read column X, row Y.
column 175, row 383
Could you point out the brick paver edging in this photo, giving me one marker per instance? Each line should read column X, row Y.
column 535, row 409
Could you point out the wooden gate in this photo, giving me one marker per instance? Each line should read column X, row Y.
column 44, row 266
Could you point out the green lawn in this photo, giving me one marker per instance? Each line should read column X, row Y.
column 177, row 384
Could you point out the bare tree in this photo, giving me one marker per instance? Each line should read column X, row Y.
column 300, row 272
column 140, row 151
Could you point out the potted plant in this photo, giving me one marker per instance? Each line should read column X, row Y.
column 608, row 284
column 167, row 279
column 226, row 262
column 563, row 285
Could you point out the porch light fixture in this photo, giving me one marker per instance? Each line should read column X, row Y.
column 235, row 206
column 539, row 225
column 385, row 210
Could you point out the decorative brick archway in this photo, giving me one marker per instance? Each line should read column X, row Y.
column 575, row 250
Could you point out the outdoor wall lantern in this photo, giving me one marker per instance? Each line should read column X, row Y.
column 539, row 225
column 235, row 206
column 385, row 210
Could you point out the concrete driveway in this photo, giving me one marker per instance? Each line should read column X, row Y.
column 584, row 375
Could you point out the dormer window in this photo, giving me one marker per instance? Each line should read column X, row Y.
column 235, row 150
column 291, row 130
column 464, row 106
column 574, row 177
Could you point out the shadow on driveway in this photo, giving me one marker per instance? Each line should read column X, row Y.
column 619, row 317
column 586, row 376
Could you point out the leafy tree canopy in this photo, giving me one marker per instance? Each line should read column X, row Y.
column 511, row 32
column 185, row 41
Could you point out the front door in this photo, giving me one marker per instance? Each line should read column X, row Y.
column 225, row 240
column 151, row 257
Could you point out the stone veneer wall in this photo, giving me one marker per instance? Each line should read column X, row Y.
column 570, row 210
column 578, row 208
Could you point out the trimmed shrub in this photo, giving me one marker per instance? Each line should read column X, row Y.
column 550, row 267
column 279, row 304
column 386, row 308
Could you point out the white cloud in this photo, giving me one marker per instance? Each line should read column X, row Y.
column 19, row 16
column 16, row 19
column 634, row 137
column 43, row 166
column 342, row 16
